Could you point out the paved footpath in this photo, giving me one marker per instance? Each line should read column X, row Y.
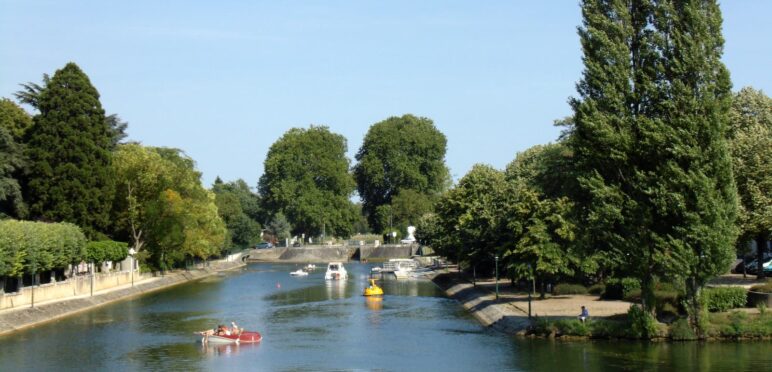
column 510, row 312
column 15, row 319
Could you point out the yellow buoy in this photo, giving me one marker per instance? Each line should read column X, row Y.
column 373, row 289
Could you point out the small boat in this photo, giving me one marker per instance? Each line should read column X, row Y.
column 243, row 337
column 335, row 271
column 373, row 289
column 310, row 267
column 299, row 272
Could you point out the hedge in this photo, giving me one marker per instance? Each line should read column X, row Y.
column 569, row 289
column 724, row 298
column 106, row 250
column 27, row 246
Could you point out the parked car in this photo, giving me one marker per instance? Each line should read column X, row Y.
column 753, row 266
column 264, row 245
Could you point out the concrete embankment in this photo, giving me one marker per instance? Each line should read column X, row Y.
column 483, row 305
column 14, row 320
column 332, row 253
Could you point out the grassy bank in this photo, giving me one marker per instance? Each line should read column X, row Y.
column 731, row 325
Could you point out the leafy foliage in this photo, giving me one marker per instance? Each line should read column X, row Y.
column 70, row 178
column 178, row 218
column 400, row 153
column 36, row 246
column 569, row 289
column 649, row 140
column 724, row 298
column 106, row 250
column 751, row 144
column 232, row 199
column 11, row 163
column 306, row 178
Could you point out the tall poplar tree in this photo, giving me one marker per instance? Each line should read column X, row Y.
column 649, row 140
column 68, row 147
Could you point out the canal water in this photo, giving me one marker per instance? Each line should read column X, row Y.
column 309, row 324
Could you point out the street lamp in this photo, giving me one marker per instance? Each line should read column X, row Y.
column 132, row 252
column 496, row 259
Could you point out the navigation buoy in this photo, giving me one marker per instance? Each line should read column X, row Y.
column 278, row 285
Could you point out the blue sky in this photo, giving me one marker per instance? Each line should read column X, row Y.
column 224, row 80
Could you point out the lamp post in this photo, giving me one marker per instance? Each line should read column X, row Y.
column 529, row 295
column 496, row 259
column 132, row 252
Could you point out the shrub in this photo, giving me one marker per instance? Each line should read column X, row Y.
column 642, row 324
column 763, row 288
column 596, row 289
column 681, row 331
column 617, row 289
column 569, row 289
column 572, row 327
column 724, row 298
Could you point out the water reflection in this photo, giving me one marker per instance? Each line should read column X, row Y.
column 226, row 350
column 374, row 303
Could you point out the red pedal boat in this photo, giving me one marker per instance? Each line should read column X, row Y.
column 243, row 337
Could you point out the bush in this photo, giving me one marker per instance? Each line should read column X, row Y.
column 763, row 288
column 617, row 289
column 681, row 331
column 596, row 289
column 572, row 327
column 642, row 324
column 569, row 289
column 106, row 250
column 724, row 298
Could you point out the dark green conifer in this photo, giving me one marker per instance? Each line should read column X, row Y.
column 69, row 152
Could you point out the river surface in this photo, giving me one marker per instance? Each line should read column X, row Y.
column 309, row 324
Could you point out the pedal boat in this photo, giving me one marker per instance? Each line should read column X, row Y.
column 246, row 337
column 373, row 289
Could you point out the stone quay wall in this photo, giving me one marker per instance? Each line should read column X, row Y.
column 19, row 318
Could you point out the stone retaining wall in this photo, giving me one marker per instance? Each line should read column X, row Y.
column 14, row 320
column 482, row 304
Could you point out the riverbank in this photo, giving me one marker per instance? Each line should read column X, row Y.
column 510, row 312
column 16, row 319
column 556, row 316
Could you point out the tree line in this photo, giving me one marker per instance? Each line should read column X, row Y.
column 70, row 163
column 661, row 174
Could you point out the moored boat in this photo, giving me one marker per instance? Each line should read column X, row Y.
column 335, row 271
column 299, row 272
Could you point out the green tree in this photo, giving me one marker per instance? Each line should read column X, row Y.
column 243, row 230
column 160, row 199
column 68, row 146
column 400, row 153
column 279, row 228
column 306, row 178
column 14, row 122
column 469, row 218
column 33, row 247
column 649, row 140
column 11, row 163
column 751, row 144
column 14, row 119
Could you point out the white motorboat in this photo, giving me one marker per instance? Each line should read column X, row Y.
column 335, row 271
column 310, row 267
column 299, row 272
column 399, row 264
